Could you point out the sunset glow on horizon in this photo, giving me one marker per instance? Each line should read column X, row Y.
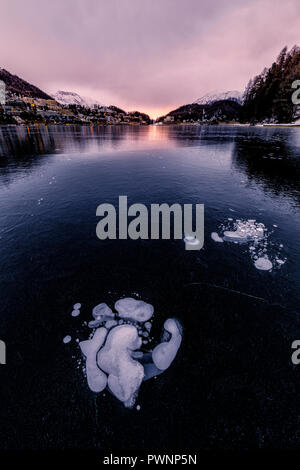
column 152, row 57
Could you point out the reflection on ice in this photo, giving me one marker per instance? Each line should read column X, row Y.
column 118, row 356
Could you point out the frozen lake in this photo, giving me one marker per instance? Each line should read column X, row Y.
column 232, row 384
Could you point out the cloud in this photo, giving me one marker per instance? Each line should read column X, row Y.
column 150, row 55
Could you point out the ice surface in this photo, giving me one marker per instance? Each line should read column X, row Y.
column 216, row 237
column 125, row 374
column 137, row 310
column 97, row 380
column 263, row 264
column 164, row 354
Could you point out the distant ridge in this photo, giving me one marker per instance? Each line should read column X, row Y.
column 18, row 86
column 214, row 96
column 70, row 97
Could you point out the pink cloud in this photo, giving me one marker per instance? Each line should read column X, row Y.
column 151, row 56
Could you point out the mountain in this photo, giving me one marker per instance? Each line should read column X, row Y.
column 213, row 96
column 70, row 97
column 217, row 111
column 18, row 86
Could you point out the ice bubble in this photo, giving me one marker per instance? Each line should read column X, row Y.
column 137, row 310
column 164, row 354
column 148, row 325
column 75, row 313
column 216, row 237
column 110, row 324
column 125, row 374
column 263, row 264
column 97, row 380
column 117, row 356
column 102, row 310
column 95, row 323
column 245, row 231
column 77, row 306
column 280, row 261
column 137, row 354
column 67, row 339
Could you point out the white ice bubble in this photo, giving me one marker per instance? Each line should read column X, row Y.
column 102, row 310
column 94, row 323
column 75, row 313
column 110, row 324
column 96, row 378
column 137, row 310
column 164, row 354
column 245, row 231
column 216, row 237
column 264, row 264
column 67, row 339
column 118, row 355
column 125, row 374
column 77, row 306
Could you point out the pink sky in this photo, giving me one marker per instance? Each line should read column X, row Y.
column 139, row 54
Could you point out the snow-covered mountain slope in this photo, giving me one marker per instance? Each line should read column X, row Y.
column 70, row 97
column 220, row 95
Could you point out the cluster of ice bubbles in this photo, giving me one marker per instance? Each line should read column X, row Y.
column 117, row 355
column 256, row 235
